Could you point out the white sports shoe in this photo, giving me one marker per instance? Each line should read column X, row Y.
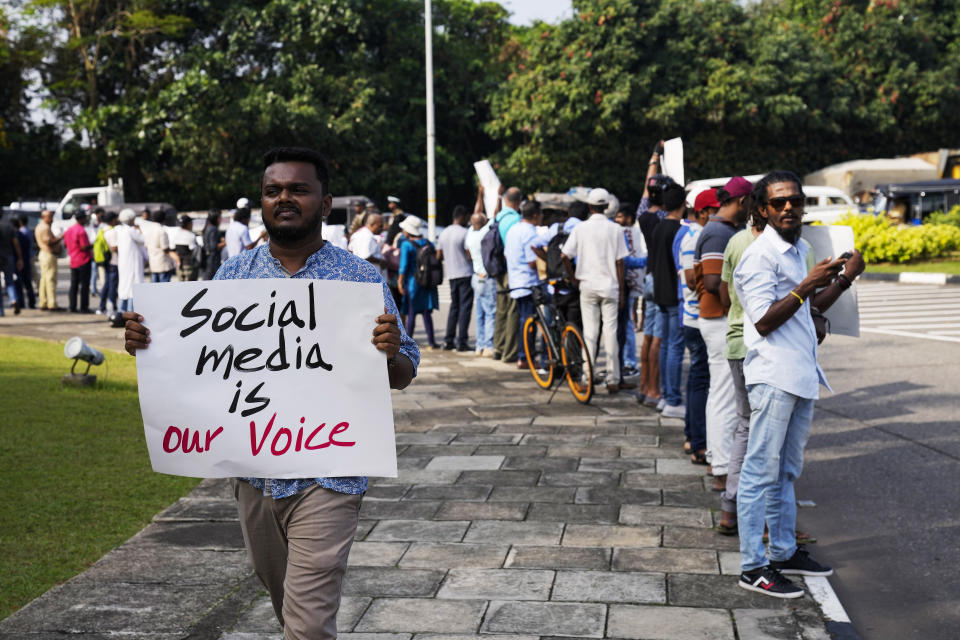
column 674, row 411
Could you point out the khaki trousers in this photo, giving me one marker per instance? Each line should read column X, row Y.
column 506, row 327
column 48, row 280
column 298, row 547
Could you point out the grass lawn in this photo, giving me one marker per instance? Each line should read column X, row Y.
column 73, row 467
column 950, row 267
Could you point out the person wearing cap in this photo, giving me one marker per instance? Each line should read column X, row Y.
column 80, row 250
column 708, row 266
column 108, row 293
column 184, row 242
column 416, row 299
column 50, row 246
column 393, row 204
column 599, row 249
column 129, row 245
column 698, row 376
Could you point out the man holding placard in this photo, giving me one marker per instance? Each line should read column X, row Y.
column 298, row 531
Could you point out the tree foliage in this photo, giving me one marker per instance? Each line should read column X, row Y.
column 181, row 97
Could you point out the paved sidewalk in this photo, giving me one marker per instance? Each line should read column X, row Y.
column 513, row 516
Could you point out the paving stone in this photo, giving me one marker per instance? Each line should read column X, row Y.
column 641, row 480
column 565, row 420
column 628, row 420
column 432, row 555
column 408, row 462
column 490, row 584
column 351, row 608
column 649, row 622
column 760, row 624
column 172, row 565
column 596, row 430
column 526, row 428
column 500, row 478
column 625, row 440
column 599, row 535
column 404, row 510
column 719, row 591
column 616, row 464
column 610, row 586
column 483, row 511
column 390, row 581
column 373, row 636
column 190, row 509
column 702, row 561
column 508, row 411
column 490, row 438
column 579, row 479
column 461, row 428
column 520, row 533
column 679, row 516
column 585, row 450
column 418, row 531
column 559, row 557
column 643, row 451
column 445, row 450
column 690, row 538
column 729, row 563
column 546, row 618
column 422, row 476
column 421, row 615
column 464, row 463
column 606, row 495
column 430, row 437
column 486, row 636
column 700, row 498
column 589, row 513
column 363, row 529
column 376, row 554
column 532, row 494
column 376, row 491
column 556, row 439
column 510, row 450
column 679, row 467
column 260, row 617
column 462, row 492
column 566, row 406
column 523, row 463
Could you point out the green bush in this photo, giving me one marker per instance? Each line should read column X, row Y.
column 951, row 217
column 881, row 241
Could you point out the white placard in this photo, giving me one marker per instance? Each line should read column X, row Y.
column 672, row 161
column 267, row 378
column 490, row 183
column 830, row 242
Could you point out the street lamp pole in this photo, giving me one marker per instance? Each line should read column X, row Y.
column 431, row 133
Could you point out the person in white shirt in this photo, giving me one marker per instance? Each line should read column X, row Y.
column 458, row 271
column 184, row 243
column 366, row 243
column 599, row 248
column 163, row 259
column 238, row 233
column 131, row 257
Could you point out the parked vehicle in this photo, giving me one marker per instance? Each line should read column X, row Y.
column 910, row 203
column 108, row 198
column 823, row 204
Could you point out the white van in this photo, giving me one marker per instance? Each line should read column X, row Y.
column 823, row 204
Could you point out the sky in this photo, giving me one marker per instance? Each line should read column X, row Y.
column 526, row 11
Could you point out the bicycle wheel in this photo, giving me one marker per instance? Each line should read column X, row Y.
column 536, row 347
column 576, row 363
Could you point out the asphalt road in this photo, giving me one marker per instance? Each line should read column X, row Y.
column 883, row 466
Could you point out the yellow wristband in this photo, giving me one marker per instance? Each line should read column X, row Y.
column 796, row 295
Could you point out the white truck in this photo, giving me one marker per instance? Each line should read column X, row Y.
column 109, row 198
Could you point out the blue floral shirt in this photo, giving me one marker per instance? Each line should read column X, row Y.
column 329, row 263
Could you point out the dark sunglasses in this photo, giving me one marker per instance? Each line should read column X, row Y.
column 796, row 202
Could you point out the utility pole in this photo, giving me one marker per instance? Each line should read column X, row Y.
column 431, row 133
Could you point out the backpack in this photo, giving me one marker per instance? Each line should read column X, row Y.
column 555, row 268
column 491, row 251
column 429, row 268
column 101, row 250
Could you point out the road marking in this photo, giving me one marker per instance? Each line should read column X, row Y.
column 910, row 310
column 829, row 603
column 908, row 334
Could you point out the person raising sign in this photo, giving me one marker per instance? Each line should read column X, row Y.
column 298, row 532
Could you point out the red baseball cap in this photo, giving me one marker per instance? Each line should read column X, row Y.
column 706, row 198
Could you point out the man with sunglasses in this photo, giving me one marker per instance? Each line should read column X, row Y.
column 782, row 376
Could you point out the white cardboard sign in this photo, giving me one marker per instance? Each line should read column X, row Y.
column 268, row 378
column 830, row 242
column 490, row 183
column 672, row 162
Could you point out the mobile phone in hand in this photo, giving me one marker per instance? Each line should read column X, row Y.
column 846, row 255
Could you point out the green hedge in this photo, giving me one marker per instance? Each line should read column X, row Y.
column 881, row 241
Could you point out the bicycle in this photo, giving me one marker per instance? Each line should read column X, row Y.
column 556, row 349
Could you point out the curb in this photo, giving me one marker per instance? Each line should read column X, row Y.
column 838, row 622
column 912, row 277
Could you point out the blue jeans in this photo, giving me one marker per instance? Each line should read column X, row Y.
column 779, row 429
column 108, row 292
column 485, row 296
column 671, row 356
column 698, row 384
column 161, row 277
column 458, row 318
column 626, row 336
column 126, row 304
column 8, row 266
column 524, row 310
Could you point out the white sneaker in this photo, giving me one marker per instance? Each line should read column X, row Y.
column 487, row 353
column 661, row 404
column 674, row 411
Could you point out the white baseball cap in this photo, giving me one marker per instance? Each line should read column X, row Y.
column 243, row 203
column 598, row 197
column 393, row 199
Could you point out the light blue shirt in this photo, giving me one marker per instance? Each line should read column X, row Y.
column 506, row 218
column 472, row 243
column 570, row 223
column 329, row 263
column 518, row 250
column 786, row 358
